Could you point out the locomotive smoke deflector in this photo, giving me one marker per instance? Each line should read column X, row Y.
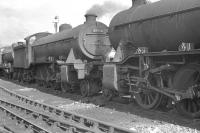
column 90, row 18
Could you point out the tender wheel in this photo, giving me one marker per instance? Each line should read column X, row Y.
column 41, row 83
column 52, row 85
column 48, row 84
column 147, row 98
column 45, row 84
column 108, row 94
column 85, row 87
column 19, row 77
column 187, row 77
column 65, row 87
column 14, row 75
column 89, row 87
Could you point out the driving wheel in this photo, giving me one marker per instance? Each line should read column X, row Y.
column 185, row 78
column 147, row 98
column 108, row 94
column 189, row 107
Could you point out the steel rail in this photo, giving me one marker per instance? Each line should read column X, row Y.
column 20, row 119
column 55, row 123
column 94, row 125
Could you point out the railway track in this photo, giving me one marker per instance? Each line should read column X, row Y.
column 134, row 118
column 42, row 118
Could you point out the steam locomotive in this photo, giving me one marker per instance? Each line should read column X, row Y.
column 68, row 59
column 157, row 55
column 157, row 59
column 6, row 60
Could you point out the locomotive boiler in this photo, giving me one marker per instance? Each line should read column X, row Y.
column 159, row 26
column 157, row 55
column 87, row 42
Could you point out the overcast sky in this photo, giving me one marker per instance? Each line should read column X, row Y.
column 20, row 18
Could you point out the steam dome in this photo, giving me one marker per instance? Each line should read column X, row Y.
column 63, row 27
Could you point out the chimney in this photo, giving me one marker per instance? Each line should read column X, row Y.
column 138, row 2
column 90, row 18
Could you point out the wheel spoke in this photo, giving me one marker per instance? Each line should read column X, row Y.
column 146, row 100
column 149, row 100
column 188, row 107
column 151, row 96
column 198, row 104
column 194, row 106
column 142, row 98
column 84, row 88
column 197, row 77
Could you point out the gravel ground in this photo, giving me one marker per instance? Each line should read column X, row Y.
column 126, row 115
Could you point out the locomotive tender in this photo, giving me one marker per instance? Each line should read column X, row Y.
column 157, row 58
column 157, row 55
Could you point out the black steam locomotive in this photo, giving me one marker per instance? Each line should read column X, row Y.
column 157, row 59
column 72, row 58
column 6, row 61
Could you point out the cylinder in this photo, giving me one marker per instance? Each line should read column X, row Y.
column 162, row 25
